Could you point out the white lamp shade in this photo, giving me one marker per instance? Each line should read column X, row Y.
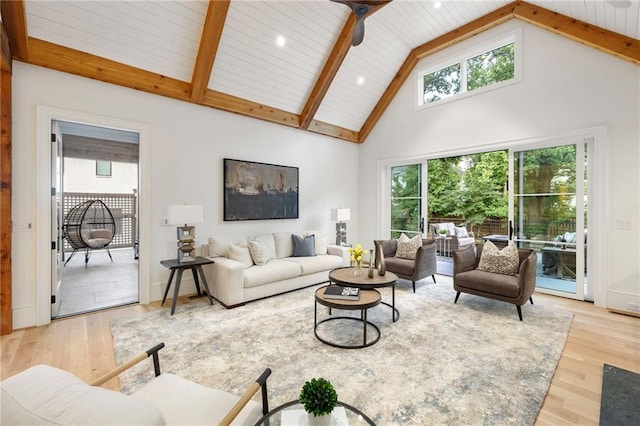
column 343, row 215
column 184, row 214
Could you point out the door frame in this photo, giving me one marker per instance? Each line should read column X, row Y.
column 44, row 116
column 597, row 191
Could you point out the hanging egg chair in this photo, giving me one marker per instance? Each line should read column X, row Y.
column 89, row 226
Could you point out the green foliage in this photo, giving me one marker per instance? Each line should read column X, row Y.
column 318, row 397
column 444, row 187
column 442, row 83
column 491, row 67
column 485, row 186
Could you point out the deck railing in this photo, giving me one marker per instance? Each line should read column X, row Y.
column 123, row 207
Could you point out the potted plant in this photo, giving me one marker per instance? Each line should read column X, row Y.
column 443, row 232
column 319, row 398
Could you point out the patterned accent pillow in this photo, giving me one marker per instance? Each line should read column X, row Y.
column 505, row 261
column 259, row 252
column 407, row 247
column 461, row 232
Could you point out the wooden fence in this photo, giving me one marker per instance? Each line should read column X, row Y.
column 123, row 208
column 501, row 226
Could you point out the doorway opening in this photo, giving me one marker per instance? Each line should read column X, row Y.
column 95, row 174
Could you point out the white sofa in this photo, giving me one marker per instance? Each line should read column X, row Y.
column 259, row 266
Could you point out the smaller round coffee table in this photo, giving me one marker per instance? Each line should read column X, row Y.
column 293, row 413
column 368, row 299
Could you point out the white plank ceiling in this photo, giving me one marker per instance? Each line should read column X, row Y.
column 163, row 37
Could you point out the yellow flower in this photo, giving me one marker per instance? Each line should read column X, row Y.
column 357, row 253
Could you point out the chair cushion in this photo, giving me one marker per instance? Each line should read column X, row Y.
column 400, row 266
column 489, row 283
column 47, row 395
column 407, row 247
column 497, row 261
column 461, row 232
column 183, row 402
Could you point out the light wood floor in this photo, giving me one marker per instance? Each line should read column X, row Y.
column 83, row 346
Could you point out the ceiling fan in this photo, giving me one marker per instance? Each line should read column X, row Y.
column 361, row 9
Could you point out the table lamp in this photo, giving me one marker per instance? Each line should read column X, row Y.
column 342, row 215
column 185, row 214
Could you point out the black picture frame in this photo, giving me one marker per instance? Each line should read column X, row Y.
column 259, row 191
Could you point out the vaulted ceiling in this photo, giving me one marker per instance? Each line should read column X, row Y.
column 225, row 54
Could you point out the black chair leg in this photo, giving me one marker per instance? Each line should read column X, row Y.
column 531, row 299
column 519, row 312
column 414, row 286
column 457, row 295
column 434, row 278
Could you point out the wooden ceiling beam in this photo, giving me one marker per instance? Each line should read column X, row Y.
column 6, row 59
column 211, row 35
column 464, row 32
column 328, row 73
column 60, row 58
column 14, row 17
column 606, row 41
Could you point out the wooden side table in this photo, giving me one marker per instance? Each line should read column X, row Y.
column 195, row 266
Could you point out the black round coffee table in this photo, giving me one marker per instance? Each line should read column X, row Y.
column 345, row 277
column 293, row 413
column 368, row 299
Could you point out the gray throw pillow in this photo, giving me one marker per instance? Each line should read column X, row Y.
column 303, row 246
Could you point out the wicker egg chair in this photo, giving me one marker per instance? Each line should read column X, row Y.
column 89, row 226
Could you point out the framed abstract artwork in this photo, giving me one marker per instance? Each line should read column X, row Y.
column 259, row 191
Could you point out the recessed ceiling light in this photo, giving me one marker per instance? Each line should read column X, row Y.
column 280, row 41
column 437, row 4
column 360, row 80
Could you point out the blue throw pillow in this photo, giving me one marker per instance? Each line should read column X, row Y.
column 304, row 246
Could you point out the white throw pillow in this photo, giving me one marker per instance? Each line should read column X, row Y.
column 259, row 252
column 461, row 232
column 321, row 241
column 284, row 245
column 407, row 247
column 505, row 261
column 240, row 254
column 218, row 247
column 268, row 241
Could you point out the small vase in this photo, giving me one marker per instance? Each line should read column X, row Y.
column 319, row 420
column 371, row 261
column 358, row 269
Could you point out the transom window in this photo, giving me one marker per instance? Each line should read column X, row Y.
column 478, row 69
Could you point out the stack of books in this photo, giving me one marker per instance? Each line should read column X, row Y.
column 339, row 292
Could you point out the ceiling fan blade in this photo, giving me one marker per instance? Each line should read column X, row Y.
column 358, row 31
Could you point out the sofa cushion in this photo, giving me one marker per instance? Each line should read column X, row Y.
column 303, row 246
column 322, row 262
column 183, row 402
column 465, row 241
column 321, row 241
column 407, row 247
column 268, row 241
column 240, row 254
column 47, row 395
column 499, row 261
column 259, row 252
column 218, row 246
column 284, row 244
column 275, row 270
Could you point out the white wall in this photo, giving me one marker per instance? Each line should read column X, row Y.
column 186, row 148
column 80, row 176
column 565, row 87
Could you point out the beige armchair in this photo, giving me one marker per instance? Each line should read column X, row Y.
column 516, row 289
column 413, row 270
column 47, row 395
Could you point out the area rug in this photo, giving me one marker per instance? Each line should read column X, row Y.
column 468, row 363
column 620, row 404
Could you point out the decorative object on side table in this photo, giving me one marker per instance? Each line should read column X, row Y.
column 319, row 398
column 356, row 257
column 341, row 216
column 185, row 214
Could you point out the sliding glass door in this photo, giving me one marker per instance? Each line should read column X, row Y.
column 549, row 214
